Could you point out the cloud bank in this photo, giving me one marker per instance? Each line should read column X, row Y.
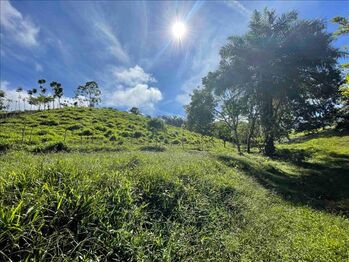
column 21, row 29
column 132, row 88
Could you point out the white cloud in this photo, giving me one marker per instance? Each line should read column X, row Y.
column 132, row 76
column 19, row 27
column 141, row 96
column 132, row 88
column 114, row 45
column 237, row 6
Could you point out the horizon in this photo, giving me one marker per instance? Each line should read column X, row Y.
column 145, row 54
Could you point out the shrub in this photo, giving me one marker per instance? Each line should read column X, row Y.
column 49, row 123
column 137, row 134
column 51, row 147
column 86, row 132
column 125, row 134
column 176, row 142
column 101, row 128
column 4, row 146
column 108, row 133
column 42, row 132
column 153, row 148
column 74, row 127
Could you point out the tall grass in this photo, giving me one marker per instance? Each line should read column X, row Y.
column 154, row 207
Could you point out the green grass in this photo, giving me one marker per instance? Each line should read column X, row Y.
column 84, row 129
column 151, row 202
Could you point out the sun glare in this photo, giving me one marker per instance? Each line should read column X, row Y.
column 178, row 30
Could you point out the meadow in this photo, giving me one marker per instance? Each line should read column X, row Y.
column 95, row 185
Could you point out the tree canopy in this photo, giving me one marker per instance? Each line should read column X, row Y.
column 283, row 68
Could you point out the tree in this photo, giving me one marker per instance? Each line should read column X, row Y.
column 343, row 23
column 173, row 120
column 280, row 64
column 19, row 90
column 343, row 29
column 57, row 92
column 155, row 125
column 41, row 99
column 200, row 112
column 91, row 91
column 2, row 100
column 135, row 110
column 222, row 131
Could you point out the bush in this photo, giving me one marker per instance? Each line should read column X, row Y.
column 49, row 123
column 137, row 134
column 108, row 133
column 101, row 128
column 4, row 146
column 111, row 125
column 51, row 147
column 176, row 142
column 74, row 127
column 42, row 132
column 86, row 132
column 153, row 148
column 125, row 134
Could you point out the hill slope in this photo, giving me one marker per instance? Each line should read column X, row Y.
column 177, row 205
column 91, row 129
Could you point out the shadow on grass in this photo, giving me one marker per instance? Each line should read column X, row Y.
column 321, row 134
column 323, row 185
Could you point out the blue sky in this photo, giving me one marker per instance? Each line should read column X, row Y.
column 127, row 47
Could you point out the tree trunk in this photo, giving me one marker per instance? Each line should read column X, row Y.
column 269, row 147
column 237, row 140
column 268, row 123
column 250, row 134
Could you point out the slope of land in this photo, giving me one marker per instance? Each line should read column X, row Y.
column 84, row 129
column 178, row 205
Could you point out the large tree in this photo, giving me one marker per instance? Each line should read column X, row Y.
column 200, row 112
column 91, row 92
column 343, row 30
column 281, row 64
column 2, row 100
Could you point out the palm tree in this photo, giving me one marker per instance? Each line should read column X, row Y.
column 53, row 85
column 30, row 93
column 43, row 90
column 19, row 91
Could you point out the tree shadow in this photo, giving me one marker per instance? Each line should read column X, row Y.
column 320, row 134
column 323, row 185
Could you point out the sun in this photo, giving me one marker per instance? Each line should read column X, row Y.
column 178, row 30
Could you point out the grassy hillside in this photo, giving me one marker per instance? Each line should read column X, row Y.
column 86, row 129
column 177, row 205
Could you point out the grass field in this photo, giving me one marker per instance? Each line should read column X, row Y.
column 202, row 202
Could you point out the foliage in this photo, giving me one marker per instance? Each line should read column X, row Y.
column 265, row 68
column 91, row 92
column 173, row 120
column 200, row 112
column 2, row 100
column 343, row 23
column 175, row 205
column 135, row 110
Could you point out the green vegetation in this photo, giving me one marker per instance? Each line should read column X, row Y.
column 97, row 184
column 164, row 202
column 88, row 129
